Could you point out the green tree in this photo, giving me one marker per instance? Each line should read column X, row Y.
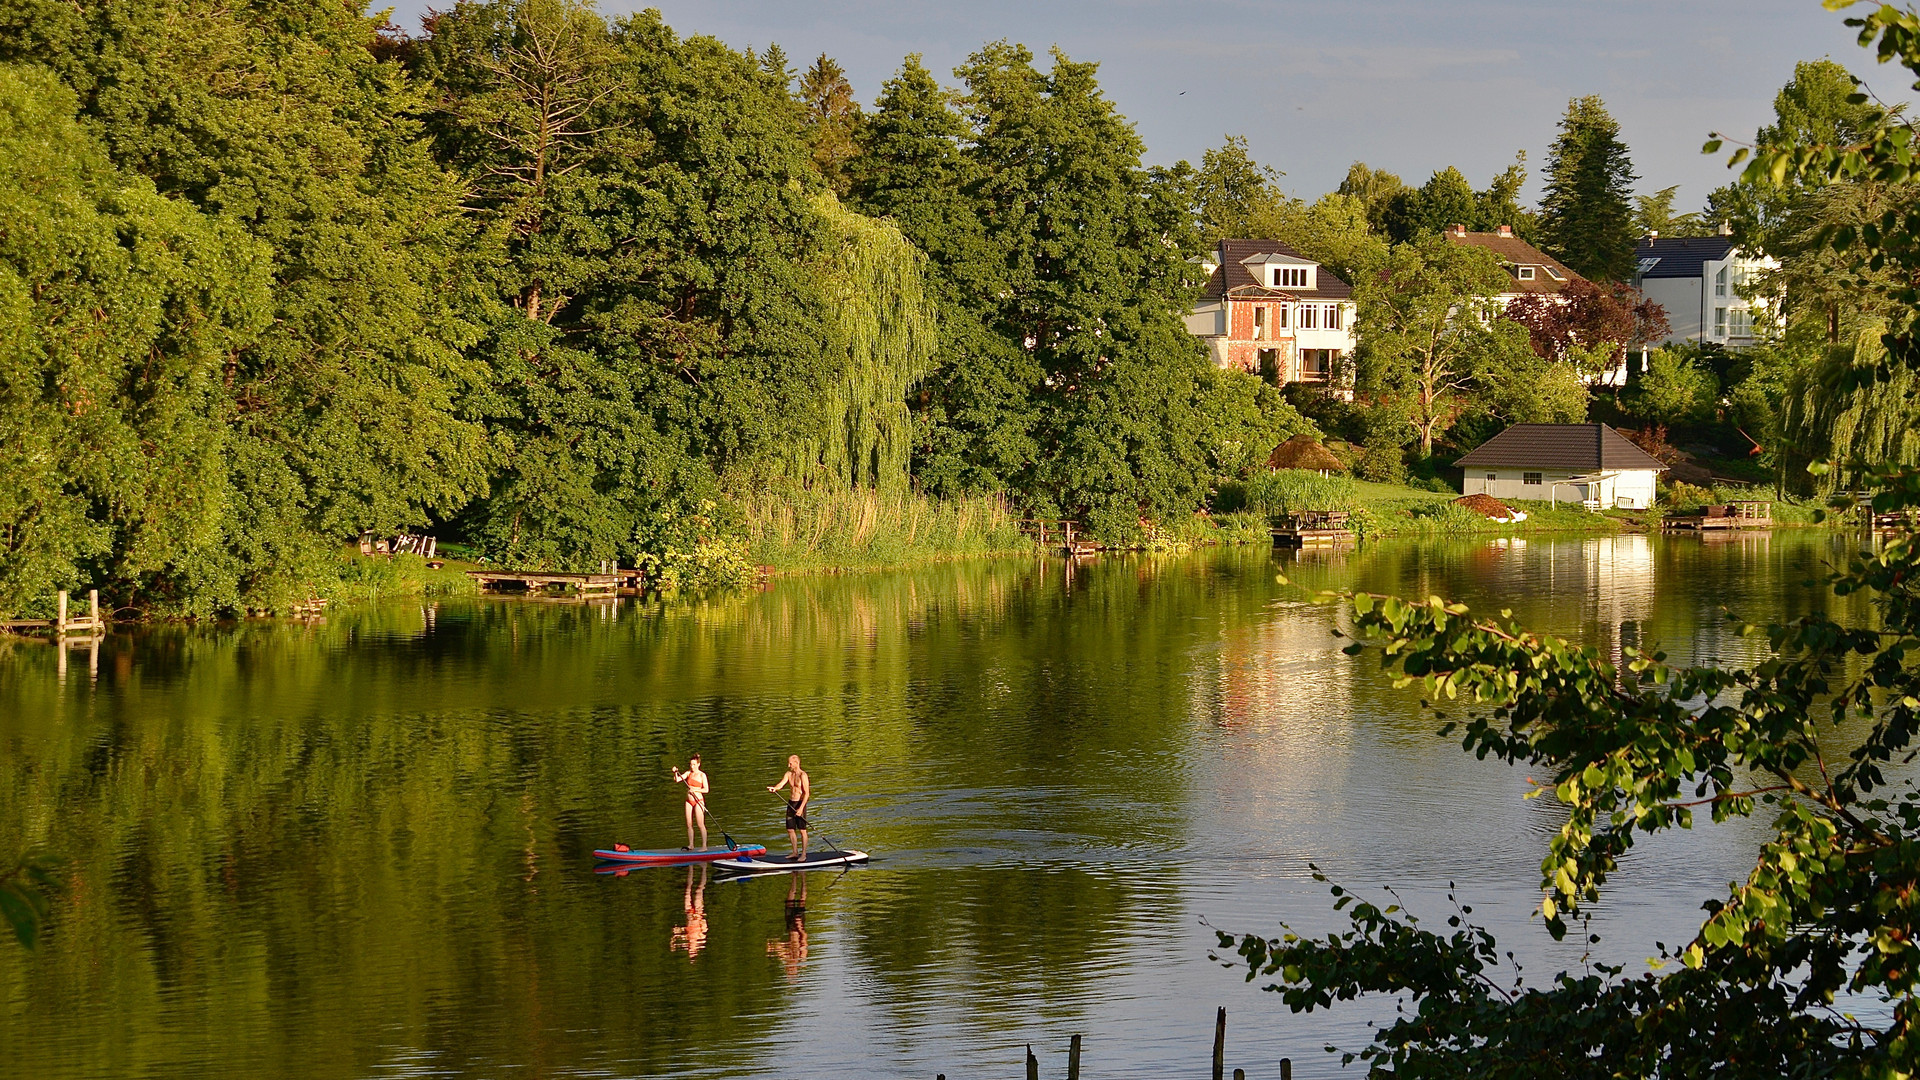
column 833, row 119
column 1674, row 389
column 124, row 309
column 1237, row 197
column 1586, row 216
column 1816, row 107
column 1427, row 323
column 1653, row 214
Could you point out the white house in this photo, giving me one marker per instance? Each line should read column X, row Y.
column 1269, row 311
column 1590, row 464
column 1699, row 280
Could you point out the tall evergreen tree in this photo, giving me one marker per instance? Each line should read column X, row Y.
column 1586, row 215
column 833, row 119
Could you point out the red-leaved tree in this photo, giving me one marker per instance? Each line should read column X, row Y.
column 1587, row 314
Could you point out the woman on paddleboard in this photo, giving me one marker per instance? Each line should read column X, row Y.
column 697, row 788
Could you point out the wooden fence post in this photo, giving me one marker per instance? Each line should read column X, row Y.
column 1220, row 1045
column 1073, row 1059
column 1033, row 1064
column 1286, row 1069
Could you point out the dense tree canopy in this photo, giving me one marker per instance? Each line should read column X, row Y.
column 1586, row 216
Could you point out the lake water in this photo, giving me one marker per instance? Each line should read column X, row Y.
column 362, row 848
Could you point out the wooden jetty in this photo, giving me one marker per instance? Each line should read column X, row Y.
column 1738, row 514
column 1314, row 528
column 1060, row 535
column 539, row 580
column 66, row 622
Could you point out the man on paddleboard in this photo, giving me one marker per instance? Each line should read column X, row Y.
column 801, row 791
column 697, row 788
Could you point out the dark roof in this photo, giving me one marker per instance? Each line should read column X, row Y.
column 1231, row 274
column 1560, row 446
column 1517, row 252
column 1681, row 256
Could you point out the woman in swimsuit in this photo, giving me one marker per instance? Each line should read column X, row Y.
column 697, row 788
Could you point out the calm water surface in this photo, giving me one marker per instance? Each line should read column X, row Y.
column 363, row 848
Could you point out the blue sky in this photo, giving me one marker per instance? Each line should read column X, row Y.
column 1403, row 85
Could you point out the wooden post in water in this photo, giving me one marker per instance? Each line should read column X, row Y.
column 1033, row 1064
column 60, row 624
column 93, row 608
column 1286, row 1069
column 1239, row 1074
column 1073, row 1059
column 1220, row 1045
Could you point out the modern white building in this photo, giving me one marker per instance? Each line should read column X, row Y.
column 1699, row 280
column 1590, row 464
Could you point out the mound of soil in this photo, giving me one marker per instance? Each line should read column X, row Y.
column 1485, row 506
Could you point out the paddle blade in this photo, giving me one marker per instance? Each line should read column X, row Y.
column 731, row 846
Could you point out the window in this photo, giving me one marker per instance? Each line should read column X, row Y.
column 1270, row 365
column 1554, row 274
column 1259, row 323
column 1530, row 479
column 1280, row 316
column 1524, row 273
column 1289, row 277
column 1720, row 282
column 1649, row 263
column 1333, row 316
column 1719, row 322
column 1740, row 322
column 1307, row 320
column 1491, row 477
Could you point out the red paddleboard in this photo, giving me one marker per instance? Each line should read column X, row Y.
column 678, row 855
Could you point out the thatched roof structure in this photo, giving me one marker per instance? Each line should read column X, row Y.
column 1304, row 452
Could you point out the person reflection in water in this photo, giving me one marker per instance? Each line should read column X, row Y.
column 693, row 936
column 801, row 790
column 794, row 949
column 697, row 787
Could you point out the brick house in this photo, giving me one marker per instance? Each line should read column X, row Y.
column 1269, row 311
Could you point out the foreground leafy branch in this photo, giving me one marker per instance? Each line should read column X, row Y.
column 1632, row 749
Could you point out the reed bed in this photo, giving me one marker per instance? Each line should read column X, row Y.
column 797, row 528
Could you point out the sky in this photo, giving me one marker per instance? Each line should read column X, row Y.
column 1408, row 86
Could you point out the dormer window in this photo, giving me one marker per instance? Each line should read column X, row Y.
column 1289, row 277
column 1524, row 273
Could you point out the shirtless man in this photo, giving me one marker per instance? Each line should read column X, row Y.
column 801, row 791
column 697, row 788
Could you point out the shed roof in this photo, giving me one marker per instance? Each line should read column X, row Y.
column 1517, row 252
column 1303, row 452
column 1680, row 256
column 1233, row 275
column 1560, row 446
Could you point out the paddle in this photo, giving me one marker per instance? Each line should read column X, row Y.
column 838, row 850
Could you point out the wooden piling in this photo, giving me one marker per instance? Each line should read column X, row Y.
column 1073, row 1059
column 1033, row 1064
column 1239, row 1074
column 1286, row 1069
column 60, row 624
column 93, row 608
column 1220, row 1044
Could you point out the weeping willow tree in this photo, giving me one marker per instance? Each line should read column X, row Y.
column 1849, row 408
column 881, row 328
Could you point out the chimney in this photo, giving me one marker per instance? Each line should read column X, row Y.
column 1506, row 230
column 1457, row 230
column 1653, row 234
column 1726, row 228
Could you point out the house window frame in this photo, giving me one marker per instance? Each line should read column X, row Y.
column 1532, row 479
column 1280, row 316
column 1524, row 273
column 1289, row 277
column 1259, row 321
column 1307, row 319
column 1331, row 317
column 1493, row 478
column 1720, row 322
column 1720, row 282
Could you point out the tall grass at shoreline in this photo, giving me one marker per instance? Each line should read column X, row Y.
column 795, row 528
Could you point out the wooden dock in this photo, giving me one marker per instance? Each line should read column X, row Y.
column 1314, row 528
column 541, row 580
column 1743, row 514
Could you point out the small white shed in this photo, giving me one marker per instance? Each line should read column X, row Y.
column 1590, row 464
